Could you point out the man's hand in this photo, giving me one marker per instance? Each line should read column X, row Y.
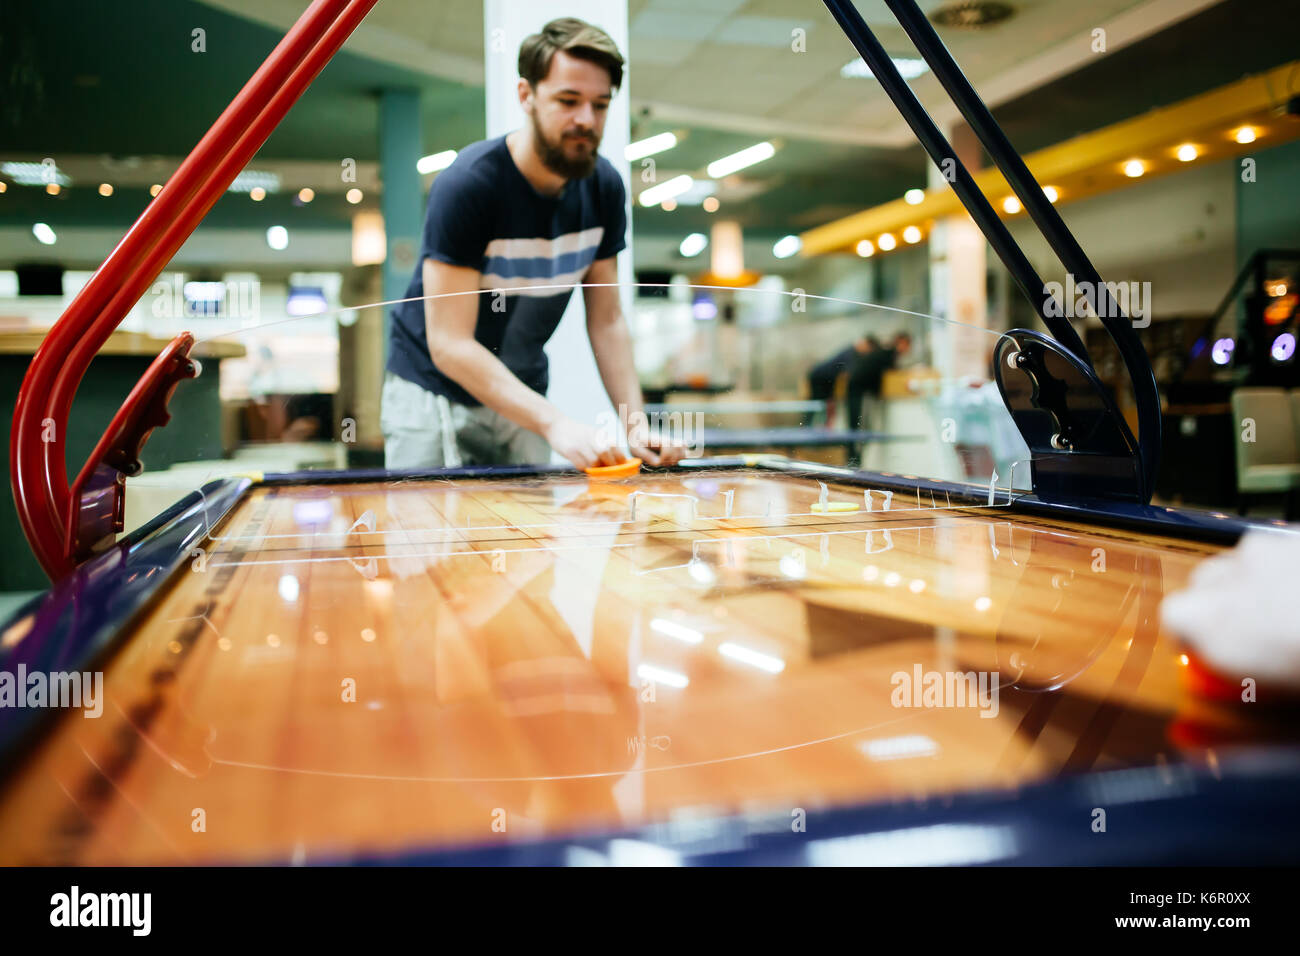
column 583, row 445
column 654, row 449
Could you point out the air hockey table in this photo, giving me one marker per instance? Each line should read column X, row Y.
column 708, row 663
column 746, row 659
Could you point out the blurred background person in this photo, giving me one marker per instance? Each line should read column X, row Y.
column 866, row 375
column 823, row 377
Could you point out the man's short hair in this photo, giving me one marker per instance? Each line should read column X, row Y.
column 578, row 38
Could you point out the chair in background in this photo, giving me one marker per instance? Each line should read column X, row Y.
column 1270, row 464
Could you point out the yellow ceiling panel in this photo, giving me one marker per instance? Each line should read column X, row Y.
column 1095, row 162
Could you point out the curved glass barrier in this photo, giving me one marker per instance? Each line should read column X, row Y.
column 290, row 385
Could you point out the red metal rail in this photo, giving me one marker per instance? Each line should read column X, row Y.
column 37, row 468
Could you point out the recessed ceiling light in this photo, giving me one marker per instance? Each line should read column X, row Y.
column 711, row 204
column 155, row 189
column 693, row 245
column 649, row 146
column 914, row 197
column 866, row 249
column 35, row 174
column 1011, row 205
column 886, row 241
column 741, row 160
column 435, row 162
column 306, row 194
column 669, row 204
column 787, row 246
column 911, row 235
column 44, row 234
column 908, row 67
column 248, row 179
column 53, row 188
column 257, row 194
column 353, row 196
column 1134, row 168
column 1245, row 135
column 1052, row 193
column 1187, row 152
column 667, row 190
column 277, row 237
column 105, row 189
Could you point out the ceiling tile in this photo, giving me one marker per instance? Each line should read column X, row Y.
column 657, row 53
column 723, row 7
column 659, row 25
column 761, row 31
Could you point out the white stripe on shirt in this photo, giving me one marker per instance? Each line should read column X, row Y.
column 545, row 248
column 537, row 288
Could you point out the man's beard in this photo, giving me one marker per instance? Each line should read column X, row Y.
column 557, row 161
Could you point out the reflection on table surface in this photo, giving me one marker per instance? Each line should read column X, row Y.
column 371, row 667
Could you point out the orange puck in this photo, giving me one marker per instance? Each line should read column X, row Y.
column 1204, row 681
column 1222, row 687
column 624, row 469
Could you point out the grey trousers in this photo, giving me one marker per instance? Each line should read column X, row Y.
column 424, row 430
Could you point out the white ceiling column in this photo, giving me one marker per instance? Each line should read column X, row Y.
column 958, row 263
column 575, row 381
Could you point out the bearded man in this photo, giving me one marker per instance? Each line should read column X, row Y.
column 511, row 227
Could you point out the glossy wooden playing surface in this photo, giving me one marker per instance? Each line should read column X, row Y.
column 528, row 658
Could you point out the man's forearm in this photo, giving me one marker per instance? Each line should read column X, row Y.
column 450, row 317
column 486, row 377
column 612, row 345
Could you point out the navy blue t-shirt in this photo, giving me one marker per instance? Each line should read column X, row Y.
column 484, row 214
